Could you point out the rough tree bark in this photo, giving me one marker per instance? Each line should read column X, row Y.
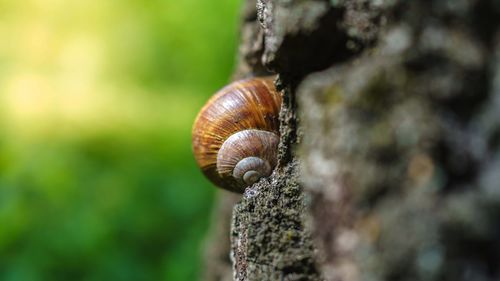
column 390, row 143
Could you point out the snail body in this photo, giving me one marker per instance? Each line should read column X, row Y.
column 236, row 134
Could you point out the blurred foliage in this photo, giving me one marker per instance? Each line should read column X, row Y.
column 97, row 98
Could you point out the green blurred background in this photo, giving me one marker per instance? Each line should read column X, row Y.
column 97, row 99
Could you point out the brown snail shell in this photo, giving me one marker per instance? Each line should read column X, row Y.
column 236, row 134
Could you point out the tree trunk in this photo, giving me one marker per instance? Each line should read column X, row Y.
column 389, row 161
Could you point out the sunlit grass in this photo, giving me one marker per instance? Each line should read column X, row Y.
column 36, row 106
column 97, row 99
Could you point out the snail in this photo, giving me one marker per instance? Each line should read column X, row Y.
column 236, row 133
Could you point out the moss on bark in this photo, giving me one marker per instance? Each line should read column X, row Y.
column 390, row 154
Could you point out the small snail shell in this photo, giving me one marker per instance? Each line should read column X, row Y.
column 236, row 134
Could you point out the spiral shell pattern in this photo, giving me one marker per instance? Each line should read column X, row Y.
column 245, row 113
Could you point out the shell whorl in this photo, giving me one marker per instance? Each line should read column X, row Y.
column 250, row 169
column 247, row 105
column 248, row 155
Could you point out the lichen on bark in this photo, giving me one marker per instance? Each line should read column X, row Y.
column 399, row 148
column 389, row 162
column 269, row 239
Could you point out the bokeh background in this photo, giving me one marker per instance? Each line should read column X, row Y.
column 97, row 99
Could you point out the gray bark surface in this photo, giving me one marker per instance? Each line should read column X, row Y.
column 389, row 162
